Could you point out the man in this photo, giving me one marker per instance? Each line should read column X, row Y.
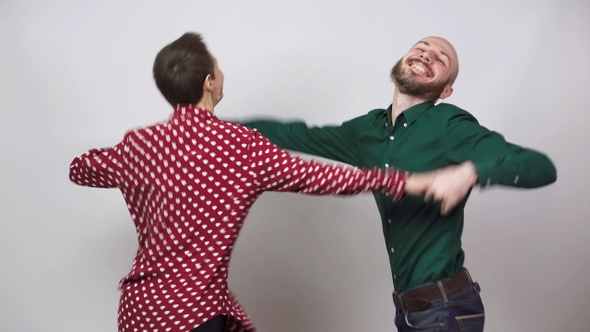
column 424, row 247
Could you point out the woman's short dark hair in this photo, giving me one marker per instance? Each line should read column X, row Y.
column 181, row 67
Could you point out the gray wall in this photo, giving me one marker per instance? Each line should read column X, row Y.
column 75, row 76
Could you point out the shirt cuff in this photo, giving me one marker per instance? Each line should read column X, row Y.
column 485, row 171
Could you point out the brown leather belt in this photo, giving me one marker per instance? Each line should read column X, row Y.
column 421, row 298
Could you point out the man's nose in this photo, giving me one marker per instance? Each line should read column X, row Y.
column 426, row 56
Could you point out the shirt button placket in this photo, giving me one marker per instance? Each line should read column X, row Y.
column 391, row 138
column 394, row 276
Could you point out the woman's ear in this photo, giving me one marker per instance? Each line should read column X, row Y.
column 208, row 84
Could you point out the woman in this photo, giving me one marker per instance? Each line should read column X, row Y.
column 188, row 183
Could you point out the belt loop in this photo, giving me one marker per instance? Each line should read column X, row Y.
column 476, row 288
column 474, row 284
column 401, row 301
column 442, row 290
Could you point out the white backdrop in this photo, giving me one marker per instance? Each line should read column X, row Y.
column 76, row 75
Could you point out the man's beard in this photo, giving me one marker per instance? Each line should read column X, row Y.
column 406, row 84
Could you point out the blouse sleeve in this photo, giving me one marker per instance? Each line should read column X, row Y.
column 100, row 168
column 276, row 170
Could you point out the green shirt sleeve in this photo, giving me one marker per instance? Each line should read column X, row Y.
column 497, row 162
column 332, row 142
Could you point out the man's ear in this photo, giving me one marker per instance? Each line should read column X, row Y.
column 447, row 92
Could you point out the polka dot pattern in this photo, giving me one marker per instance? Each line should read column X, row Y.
column 188, row 183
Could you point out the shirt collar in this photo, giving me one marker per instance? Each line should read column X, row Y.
column 412, row 113
column 186, row 109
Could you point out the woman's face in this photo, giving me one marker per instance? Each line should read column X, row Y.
column 217, row 82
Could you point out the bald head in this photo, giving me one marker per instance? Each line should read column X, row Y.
column 428, row 70
column 447, row 51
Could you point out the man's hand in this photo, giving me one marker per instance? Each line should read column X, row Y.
column 448, row 186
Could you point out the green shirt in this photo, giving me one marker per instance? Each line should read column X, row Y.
column 423, row 246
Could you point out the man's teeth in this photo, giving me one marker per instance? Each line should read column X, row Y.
column 419, row 68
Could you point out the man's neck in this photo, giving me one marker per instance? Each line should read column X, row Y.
column 402, row 102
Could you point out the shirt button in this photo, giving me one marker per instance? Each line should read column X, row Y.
column 394, row 276
column 516, row 179
column 405, row 124
column 389, row 221
column 392, row 250
column 386, row 165
column 391, row 138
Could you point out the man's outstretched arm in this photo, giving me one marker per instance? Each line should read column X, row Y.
column 332, row 142
column 497, row 162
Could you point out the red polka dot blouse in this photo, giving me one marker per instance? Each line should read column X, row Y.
column 188, row 183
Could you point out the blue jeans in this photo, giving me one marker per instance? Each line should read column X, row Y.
column 461, row 311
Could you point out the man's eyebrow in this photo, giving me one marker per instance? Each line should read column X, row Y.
column 441, row 52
